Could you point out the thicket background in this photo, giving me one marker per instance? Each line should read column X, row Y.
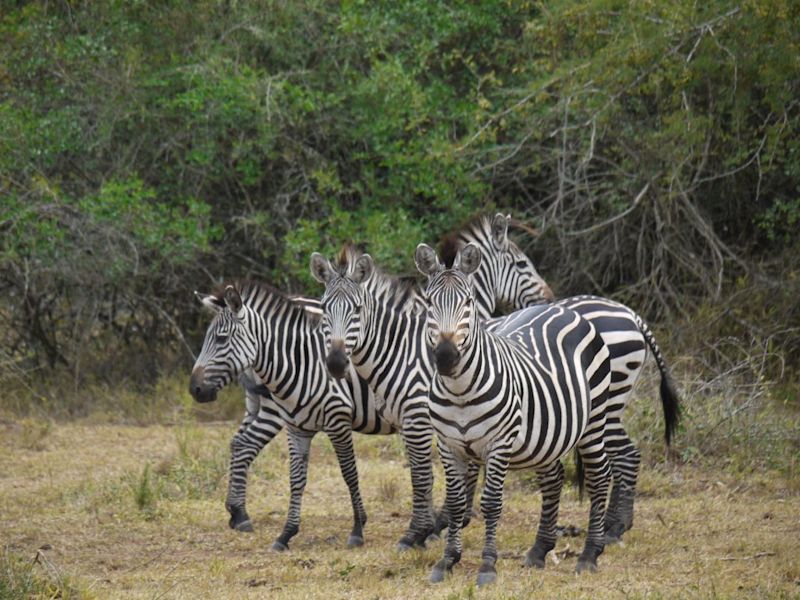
column 148, row 149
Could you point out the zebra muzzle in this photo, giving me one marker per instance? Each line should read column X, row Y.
column 337, row 360
column 199, row 389
column 446, row 356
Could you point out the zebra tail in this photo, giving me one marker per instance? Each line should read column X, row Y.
column 580, row 474
column 670, row 401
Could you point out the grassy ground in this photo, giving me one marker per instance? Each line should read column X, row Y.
column 93, row 510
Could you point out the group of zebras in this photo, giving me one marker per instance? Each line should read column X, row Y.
column 379, row 354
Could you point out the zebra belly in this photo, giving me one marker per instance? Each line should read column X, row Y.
column 539, row 445
column 308, row 418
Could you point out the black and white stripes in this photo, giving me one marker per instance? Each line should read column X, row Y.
column 257, row 327
column 516, row 284
column 512, row 392
column 521, row 395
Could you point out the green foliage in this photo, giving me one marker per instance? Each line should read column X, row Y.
column 780, row 221
column 57, row 229
column 150, row 149
column 392, row 233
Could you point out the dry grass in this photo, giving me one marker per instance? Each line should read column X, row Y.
column 117, row 528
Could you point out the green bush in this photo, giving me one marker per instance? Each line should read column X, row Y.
column 147, row 150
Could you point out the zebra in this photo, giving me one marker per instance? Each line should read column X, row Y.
column 512, row 281
column 260, row 424
column 258, row 327
column 519, row 396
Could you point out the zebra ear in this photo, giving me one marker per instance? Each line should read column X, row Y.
column 500, row 231
column 320, row 268
column 426, row 260
column 468, row 259
column 233, row 300
column 362, row 269
column 210, row 301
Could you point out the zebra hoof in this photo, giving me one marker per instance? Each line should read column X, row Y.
column 437, row 575
column 586, row 566
column 614, row 532
column 403, row 546
column 533, row 561
column 278, row 546
column 354, row 541
column 239, row 521
column 486, row 575
column 244, row 527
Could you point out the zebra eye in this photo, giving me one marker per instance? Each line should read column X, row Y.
column 222, row 338
column 521, row 263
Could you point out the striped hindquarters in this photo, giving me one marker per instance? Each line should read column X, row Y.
column 628, row 338
column 617, row 325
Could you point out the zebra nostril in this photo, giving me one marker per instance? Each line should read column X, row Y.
column 337, row 362
column 446, row 356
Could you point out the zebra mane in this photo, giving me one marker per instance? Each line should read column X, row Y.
column 256, row 294
column 480, row 227
column 448, row 249
column 346, row 259
column 401, row 293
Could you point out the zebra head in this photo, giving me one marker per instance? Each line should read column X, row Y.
column 506, row 276
column 452, row 316
column 229, row 348
column 342, row 306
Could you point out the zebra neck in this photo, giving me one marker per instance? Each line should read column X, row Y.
column 290, row 351
column 483, row 290
column 484, row 280
column 391, row 354
column 387, row 334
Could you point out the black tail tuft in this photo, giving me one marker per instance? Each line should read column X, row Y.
column 669, row 397
column 579, row 474
column 672, row 408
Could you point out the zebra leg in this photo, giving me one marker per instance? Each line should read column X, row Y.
column 491, row 506
column 418, row 439
column 343, row 445
column 455, row 471
column 299, row 446
column 253, row 435
column 551, row 480
column 237, row 484
column 598, row 478
column 625, row 462
column 629, row 473
column 473, row 469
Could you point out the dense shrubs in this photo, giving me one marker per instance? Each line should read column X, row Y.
column 148, row 149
